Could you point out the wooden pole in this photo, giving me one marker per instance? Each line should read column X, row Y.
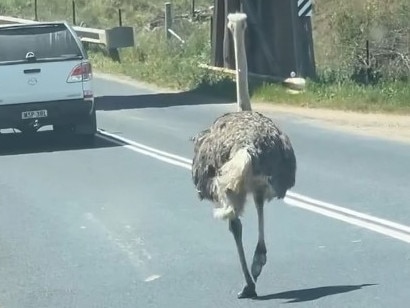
column 232, row 73
column 114, row 54
column 74, row 19
column 35, row 11
column 312, row 63
column 193, row 9
column 367, row 62
column 227, row 52
column 119, row 18
column 218, row 23
column 230, row 6
column 295, row 32
column 168, row 19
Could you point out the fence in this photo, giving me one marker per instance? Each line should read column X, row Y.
column 366, row 41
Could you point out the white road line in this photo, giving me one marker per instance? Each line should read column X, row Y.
column 379, row 225
column 146, row 152
column 144, row 147
column 351, row 220
column 349, row 212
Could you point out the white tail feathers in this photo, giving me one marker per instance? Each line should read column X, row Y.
column 230, row 185
column 224, row 213
column 233, row 173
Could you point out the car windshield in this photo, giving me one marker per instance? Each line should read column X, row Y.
column 41, row 42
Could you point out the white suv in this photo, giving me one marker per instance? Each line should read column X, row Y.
column 45, row 79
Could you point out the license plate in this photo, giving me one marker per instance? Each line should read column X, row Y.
column 34, row 114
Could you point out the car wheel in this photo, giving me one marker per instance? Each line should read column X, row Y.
column 87, row 130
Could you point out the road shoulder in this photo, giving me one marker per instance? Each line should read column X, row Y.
column 386, row 126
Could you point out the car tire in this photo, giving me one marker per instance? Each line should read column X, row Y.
column 84, row 131
column 87, row 130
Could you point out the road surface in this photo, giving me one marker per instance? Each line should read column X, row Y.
column 119, row 224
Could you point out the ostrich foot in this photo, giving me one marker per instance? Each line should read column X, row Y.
column 259, row 260
column 248, row 292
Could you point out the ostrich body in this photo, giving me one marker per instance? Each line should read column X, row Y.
column 243, row 153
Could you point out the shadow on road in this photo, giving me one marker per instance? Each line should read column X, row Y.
column 156, row 100
column 304, row 295
column 45, row 141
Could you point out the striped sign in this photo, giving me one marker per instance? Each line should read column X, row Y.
column 304, row 8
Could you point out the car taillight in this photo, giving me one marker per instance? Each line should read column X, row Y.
column 81, row 72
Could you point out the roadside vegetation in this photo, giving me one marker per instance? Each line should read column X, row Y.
column 347, row 78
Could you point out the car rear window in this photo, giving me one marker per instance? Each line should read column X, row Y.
column 46, row 42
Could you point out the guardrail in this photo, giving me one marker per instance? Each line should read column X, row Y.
column 112, row 39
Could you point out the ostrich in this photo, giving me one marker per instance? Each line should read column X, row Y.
column 241, row 153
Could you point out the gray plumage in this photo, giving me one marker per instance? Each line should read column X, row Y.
column 270, row 149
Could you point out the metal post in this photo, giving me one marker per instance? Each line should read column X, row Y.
column 74, row 19
column 35, row 11
column 168, row 19
column 119, row 18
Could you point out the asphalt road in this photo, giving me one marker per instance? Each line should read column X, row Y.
column 111, row 226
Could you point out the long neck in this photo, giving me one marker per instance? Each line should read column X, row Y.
column 242, row 90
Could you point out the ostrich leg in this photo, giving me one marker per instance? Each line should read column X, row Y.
column 259, row 257
column 235, row 226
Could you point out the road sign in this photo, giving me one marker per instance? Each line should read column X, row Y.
column 304, row 8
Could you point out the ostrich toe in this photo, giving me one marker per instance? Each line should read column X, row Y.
column 248, row 292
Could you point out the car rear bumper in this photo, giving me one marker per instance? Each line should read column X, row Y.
column 58, row 112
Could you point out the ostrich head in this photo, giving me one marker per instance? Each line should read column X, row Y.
column 235, row 21
column 237, row 25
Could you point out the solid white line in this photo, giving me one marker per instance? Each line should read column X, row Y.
column 148, row 153
column 142, row 146
column 353, row 221
column 376, row 224
column 340, row 209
